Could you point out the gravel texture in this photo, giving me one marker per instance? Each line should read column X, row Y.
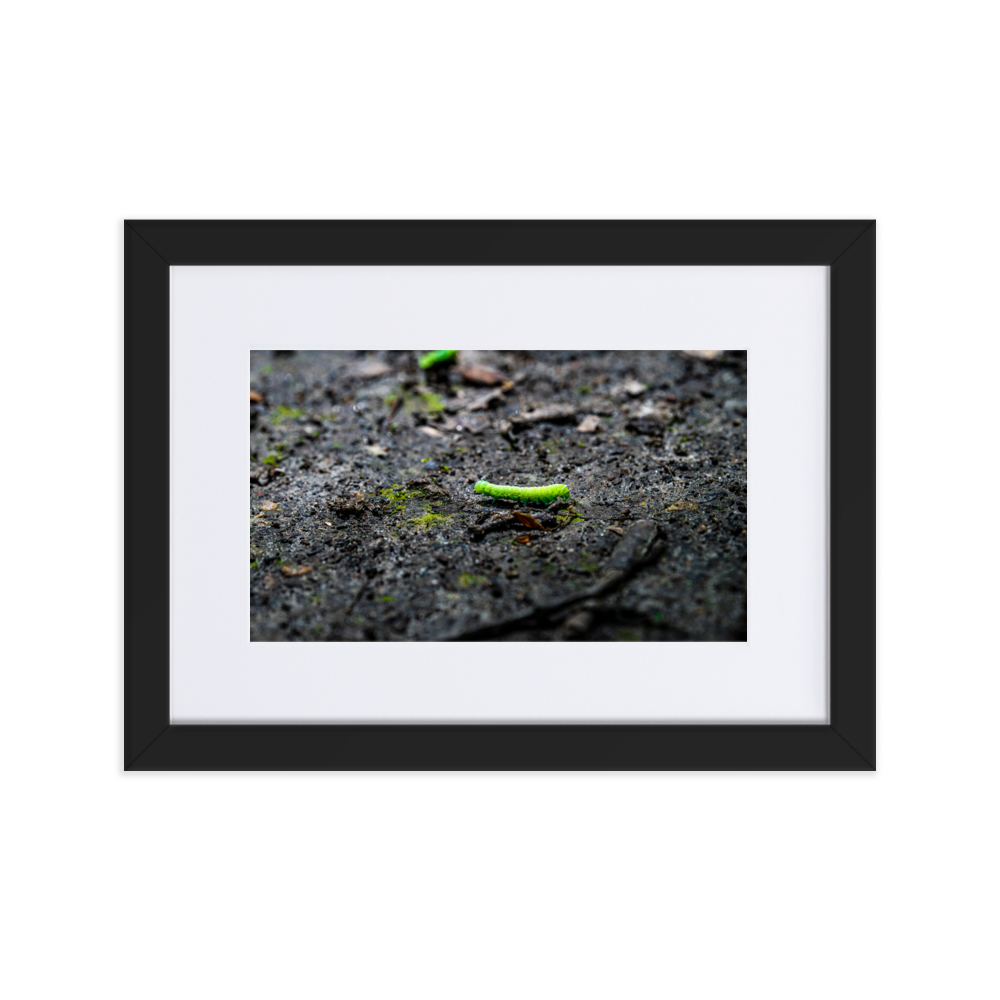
column 364, row 525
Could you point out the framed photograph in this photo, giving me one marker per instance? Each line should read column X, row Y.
column 560, row 543
column 372, row 465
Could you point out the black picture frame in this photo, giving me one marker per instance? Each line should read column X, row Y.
column 846, row 743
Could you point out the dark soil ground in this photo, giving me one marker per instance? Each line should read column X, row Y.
column 364, row 524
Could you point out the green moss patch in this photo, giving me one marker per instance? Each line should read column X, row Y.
column 399, row 496
column 424, row 402
column 285, row 413
column 430, row 521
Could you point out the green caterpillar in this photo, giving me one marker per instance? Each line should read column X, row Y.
column 437, row 358
column 530, row 494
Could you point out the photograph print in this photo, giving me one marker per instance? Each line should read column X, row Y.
column 507, row 496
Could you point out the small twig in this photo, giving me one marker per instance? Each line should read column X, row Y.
column 354, row 603
column 634, row 552
column 394, row 409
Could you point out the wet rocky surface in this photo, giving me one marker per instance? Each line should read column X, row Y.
column 364, row 525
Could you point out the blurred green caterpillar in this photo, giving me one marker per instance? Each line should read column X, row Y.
column 437, row 358
column 530, row 494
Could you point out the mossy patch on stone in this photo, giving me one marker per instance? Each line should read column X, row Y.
column 285, row 413
column 430, row 520
column 424, row 402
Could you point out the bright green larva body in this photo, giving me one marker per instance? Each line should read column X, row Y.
column 437, row 358
column 528, row 494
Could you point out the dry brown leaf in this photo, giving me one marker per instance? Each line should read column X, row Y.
column 484, row 402
column 555, row 413
column 256, row 397
column 524, row 540
column 579, row 623
column 481, row 375
column 683, row 505
column 589, row 424
column 295, row 570
column 628, row 388
column 528, row 520
column 376, row 449
column 371, row 369
column 268, row 505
